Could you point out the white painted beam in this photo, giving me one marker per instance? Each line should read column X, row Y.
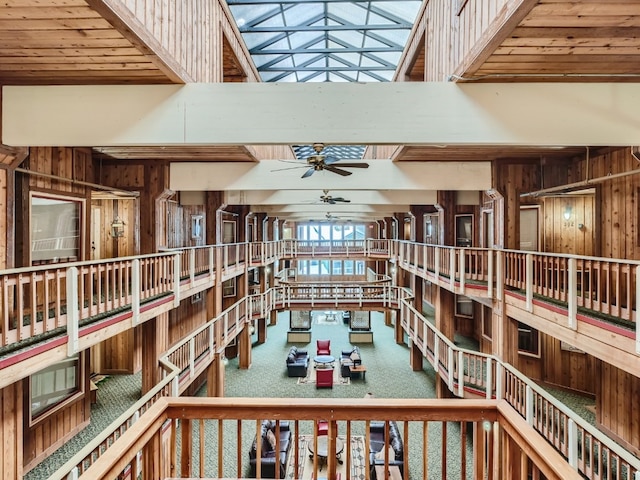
column 341, row 113
column 381, row 175
column 312, row 197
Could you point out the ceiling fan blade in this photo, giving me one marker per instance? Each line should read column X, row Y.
column 340, row 199
column 337, row 170
column 309, row 172
column 288, row 168
column 329, row 159
column 355, row 165
column 331, row 201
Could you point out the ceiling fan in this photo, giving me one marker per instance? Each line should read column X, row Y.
column 326, row 198
column 318, row 162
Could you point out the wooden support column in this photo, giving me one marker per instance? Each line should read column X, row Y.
column 397, row 329
column 416, row 358
column 444, row 312
column 155, row 341
column 262, row 330
column 388, row 318
column 244, row 346
column 215, row 377
column 12, row 434
column 418, row 292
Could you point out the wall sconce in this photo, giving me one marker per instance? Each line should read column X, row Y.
column 568, row 211
column 393, row 270
column 252, row 330
column 117, row 228
column 225, row 360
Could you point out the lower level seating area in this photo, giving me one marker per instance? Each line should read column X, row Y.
column 270, row 459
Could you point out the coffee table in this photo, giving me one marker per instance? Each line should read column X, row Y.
column 324, row 360
column 321, row 452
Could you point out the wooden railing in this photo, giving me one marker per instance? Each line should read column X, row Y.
column 332, row 248
column 583, row 447
column 215, row 435
column 605, row 286
column 47, row 299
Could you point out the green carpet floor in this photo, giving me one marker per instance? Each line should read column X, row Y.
column 388, row 376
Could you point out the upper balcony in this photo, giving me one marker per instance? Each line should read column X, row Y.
column 588, row 302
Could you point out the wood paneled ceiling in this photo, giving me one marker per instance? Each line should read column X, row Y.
column 50, row 42
column 564, row 40
column 470, row 153
column 69, row 42
column 202, row 153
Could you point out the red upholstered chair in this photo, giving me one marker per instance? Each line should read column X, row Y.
column 322, row 427
column 323, row 347
column 324, row 377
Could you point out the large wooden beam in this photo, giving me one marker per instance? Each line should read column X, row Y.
column 340, row 113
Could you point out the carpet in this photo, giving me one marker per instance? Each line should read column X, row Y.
column 305, row 464
column 310, row 379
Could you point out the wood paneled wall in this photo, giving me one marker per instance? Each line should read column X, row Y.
column 105, row 244
column 11, row 431
column 557, row 366
column 439, row 23
column 49, row 433
column 575, row 235
column 617, row 404
column 151, row 179
column 191, row 31
column 186, row 318
column 67, row 163
column 7, row 200
column 510, row 180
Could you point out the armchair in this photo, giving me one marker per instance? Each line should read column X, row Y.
column 323, row 347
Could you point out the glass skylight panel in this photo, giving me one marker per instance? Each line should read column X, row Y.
column 406, row 10
column 342, row 16
column 350, row 13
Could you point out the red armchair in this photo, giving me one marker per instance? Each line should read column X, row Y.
column 324, row 377
column 323, row 347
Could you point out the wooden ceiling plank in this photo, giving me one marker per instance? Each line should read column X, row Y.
column 70, row 52
column 54, row 24
column 582, row 21
column 47, row 13
column 566, row 31
column 80, row 61
column 571, row 42
column 71, row 67
column 509, row 17
column 575, row 51
column 587, row 9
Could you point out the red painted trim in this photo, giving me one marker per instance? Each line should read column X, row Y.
column 33, row 351
column 596, row 322
column 122, row 316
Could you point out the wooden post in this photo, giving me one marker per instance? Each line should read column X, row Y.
column 155, row 342
column 11, row 425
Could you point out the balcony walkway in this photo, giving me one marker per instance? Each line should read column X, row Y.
column 268, row 371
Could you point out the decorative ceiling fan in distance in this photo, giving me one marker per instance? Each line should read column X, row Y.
column 326, row 198
column 319, row 162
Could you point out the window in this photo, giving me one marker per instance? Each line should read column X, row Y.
column 54, row 385
column 348, row 267
column 55, row 229
column 359, row 267
column 528, row 340
column 337, row 267
column 464, row 230
column 464, row 306
column 229, row 288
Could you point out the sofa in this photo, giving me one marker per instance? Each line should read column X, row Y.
column 297, row 362
column 349, row 358
column 268, row 453
column 377, row 441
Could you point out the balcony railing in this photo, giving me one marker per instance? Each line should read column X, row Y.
column 584, row 448
column 38, row 303
column 210, row 437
